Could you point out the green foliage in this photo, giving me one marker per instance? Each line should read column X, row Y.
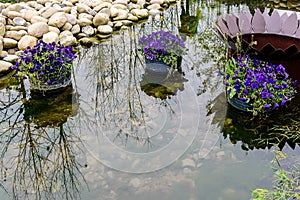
column 286, row 183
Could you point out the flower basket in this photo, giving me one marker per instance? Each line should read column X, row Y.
column 257, row 86
column 159, row 67
column 239, row 104
column 48, row 66
column 162, row 47
column 60, row 83
column 52, row 110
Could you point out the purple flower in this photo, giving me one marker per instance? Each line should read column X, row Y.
column 265, row 85
column 39, row 62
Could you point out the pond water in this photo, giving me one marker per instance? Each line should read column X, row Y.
column 118, row 133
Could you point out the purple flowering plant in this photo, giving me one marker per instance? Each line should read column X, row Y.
column 260, row 83
column 163, row 46
column 45, row 63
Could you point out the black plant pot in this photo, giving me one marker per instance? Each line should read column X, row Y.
column 239, row 104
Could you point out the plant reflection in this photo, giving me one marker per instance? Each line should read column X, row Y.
column 188, row 22
column 279, row 128
column 118, row 83
column 38, row 154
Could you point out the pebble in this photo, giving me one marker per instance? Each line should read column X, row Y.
column 135, row 182
column 41, row 19
column 188, row 163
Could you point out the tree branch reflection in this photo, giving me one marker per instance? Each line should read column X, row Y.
column 39, row 156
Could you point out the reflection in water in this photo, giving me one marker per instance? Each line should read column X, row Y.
column 279, row 128
column 189, row 23
column 38, row 151
column 51, row 110
column 116, row 127
column 162, row 85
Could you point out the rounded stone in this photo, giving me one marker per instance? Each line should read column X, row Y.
column 84, row 22
column 68, row 40
column 29, row 14
column 71, row 19
column 13, row 14
column 2, row 29
column 123, row 14
column 58, row 19
column 105, row 29
column 36, row 19
column 50, row 37
column 88, row 30
column 25, row 41
column 19, row 21
column 16, row 35
column 188, row 163
column 9, row 43
column 38, row 29
column 54, row 29
column 4, row 66
column 49, row 12
column 11, row 58
column 100, row 19
column 67, row 26
column 75, row 29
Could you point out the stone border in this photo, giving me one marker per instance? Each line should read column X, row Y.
column 68, row 22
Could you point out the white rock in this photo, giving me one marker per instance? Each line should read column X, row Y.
column 188, row 163
column 120, row 6
column 75, row 29
column 54, row 29
column 105, row 29
column 11, row 58
column 49, row 12
column 2, row 29
column 154, row 12
column 68, row 40
column 4, row 66
column 71, row 19
column 58, row 19
column 157, row 2
column 114, row 12
column 100, row 19
column 50, row 37
column 38, row 29
column 154, row 7
column 25, row 41
column 9, row 43
column 67, row 26
column 84, row 22
column 36, row 19
column 83, row 8
column 16, row 35
column 102, row 5
column 19, row 21
column 123, row 14
column 1, row 44
column 13, row 14
column 85, row 16
column 88, row 30
column 135, row 182
column 140, row 13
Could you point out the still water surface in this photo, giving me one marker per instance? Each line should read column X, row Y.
column 112, row 135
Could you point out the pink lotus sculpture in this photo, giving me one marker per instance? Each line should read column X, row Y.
column 276, row 36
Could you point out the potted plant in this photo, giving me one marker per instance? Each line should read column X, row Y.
column 256, row 85
column 47, row 65
column 163, row 47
